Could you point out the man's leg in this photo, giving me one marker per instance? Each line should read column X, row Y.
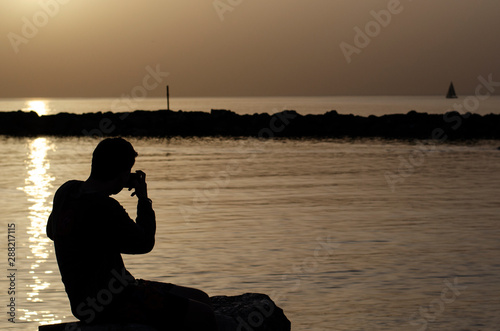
column 200, row 316
column 191, row 293
column 189, row 306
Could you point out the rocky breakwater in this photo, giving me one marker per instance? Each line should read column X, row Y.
column 163, row 123
column 249, row 312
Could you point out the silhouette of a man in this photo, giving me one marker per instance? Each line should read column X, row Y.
column 91, row 230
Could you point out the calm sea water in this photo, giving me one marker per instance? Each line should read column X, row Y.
column 315, row 224
column 358, row 105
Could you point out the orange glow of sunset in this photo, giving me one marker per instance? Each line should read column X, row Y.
column 95, row 48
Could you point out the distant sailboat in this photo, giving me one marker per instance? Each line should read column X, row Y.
column 451, row 92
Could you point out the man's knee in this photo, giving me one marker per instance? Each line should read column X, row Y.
column 200, row 316
column 203, row 296
column 191, row 293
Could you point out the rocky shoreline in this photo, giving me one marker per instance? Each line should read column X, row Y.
column 225, row 123
column 249, row 311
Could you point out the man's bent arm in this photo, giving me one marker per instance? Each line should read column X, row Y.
column 138, row 237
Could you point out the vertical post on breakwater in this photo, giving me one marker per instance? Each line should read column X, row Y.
column 168, row 99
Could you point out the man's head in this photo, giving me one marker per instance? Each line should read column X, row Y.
column 112, row 158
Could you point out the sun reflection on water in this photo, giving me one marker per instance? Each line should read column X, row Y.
column 38, row 106
column 36, row 187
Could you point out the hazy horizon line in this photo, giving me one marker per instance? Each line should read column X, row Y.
column 244, row 96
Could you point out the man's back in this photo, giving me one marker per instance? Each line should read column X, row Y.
column 90, row 231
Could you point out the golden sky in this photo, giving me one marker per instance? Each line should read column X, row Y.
column 107, row 48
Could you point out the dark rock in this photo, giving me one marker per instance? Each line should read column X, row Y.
column 332, row 113
column 100, row 327
column 220, row 122
column 222, row 113
column 251, row 311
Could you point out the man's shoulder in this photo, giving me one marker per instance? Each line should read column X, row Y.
column 67, row 190
column 70, row 186
column 71, row 192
